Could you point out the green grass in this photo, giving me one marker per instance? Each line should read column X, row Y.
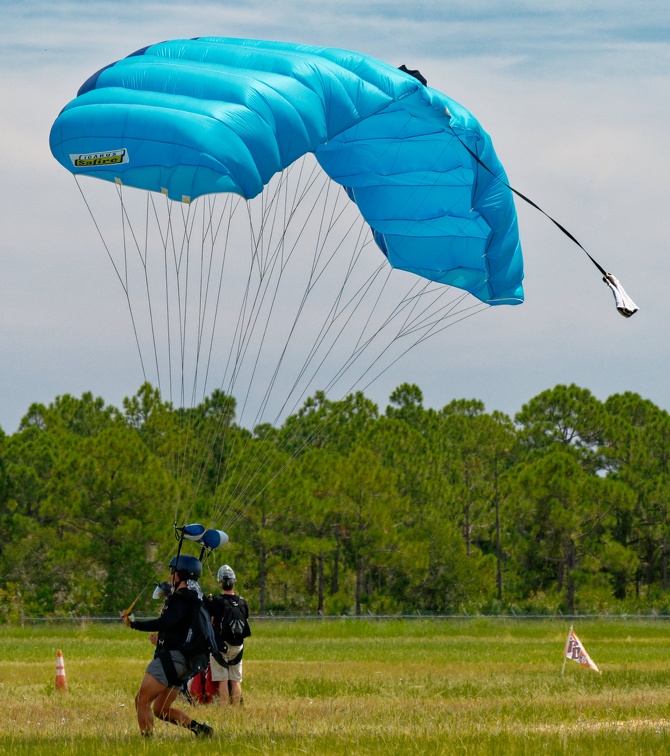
column 366, row 687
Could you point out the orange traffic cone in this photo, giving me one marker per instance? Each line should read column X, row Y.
column 61, row 680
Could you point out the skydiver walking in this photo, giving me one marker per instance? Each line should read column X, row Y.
column 170, row 667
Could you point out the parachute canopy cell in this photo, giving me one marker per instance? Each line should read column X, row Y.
column 207, row 115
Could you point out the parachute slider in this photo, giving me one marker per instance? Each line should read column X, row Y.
column 212, row 539
column 192, row 532
column 624, row 303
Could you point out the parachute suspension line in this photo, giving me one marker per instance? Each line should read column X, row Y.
column 185, row 419
column 279, row 257
column 314, row 275
column 127, row 225
column 210, row 230
column 176, row 256
column 250, row 480
column 205, row 274
column 263, row 270
column 129, row 239
column 189, row 218
column 202, row 302
column 251, row 483
column 192, row 268
column 432, row 331
column 271, row 253
column 240, row 317
column 410, row 326
column 240, row 341
column 188, row 250
column 624, row 304
column 425, row 321
column 122, row 271
column 231, row 210
column 276, row 260
column 118, row 275
column 222, row 421
column 299, row 194
column 353, row 304
column 170, row 259
column 211, row 233
column 228, row 524
column 466, row 313
column 409, row 301
column 180, row 260
column 358, row 349
column 165, row 240
column 479, row 307
column 143, row 259
column 329, row 322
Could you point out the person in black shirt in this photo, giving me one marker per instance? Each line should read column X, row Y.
column 230, row 614
column 170, row 667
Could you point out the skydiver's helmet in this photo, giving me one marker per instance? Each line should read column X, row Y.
column 186, row 566
column 226, row 577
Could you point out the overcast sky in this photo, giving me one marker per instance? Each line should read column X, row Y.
column 576, row 97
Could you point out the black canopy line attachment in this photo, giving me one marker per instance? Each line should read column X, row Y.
column 623, row 302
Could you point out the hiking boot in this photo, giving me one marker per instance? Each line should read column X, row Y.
column 201, row 730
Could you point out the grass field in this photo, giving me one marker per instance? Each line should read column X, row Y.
column 365, row 687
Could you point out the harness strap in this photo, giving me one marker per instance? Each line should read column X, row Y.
column 220, row 659
column 173, row 679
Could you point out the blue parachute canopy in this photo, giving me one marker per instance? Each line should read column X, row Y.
column 207, row 115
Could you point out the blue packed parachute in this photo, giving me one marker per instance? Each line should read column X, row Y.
column 208, row 115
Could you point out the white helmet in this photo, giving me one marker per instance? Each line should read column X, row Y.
column 226, row 577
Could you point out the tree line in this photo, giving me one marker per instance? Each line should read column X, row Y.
column 342, row 508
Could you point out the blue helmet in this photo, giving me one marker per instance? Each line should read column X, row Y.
column 186, row 566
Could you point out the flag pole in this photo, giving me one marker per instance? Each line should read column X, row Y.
column 565, row 650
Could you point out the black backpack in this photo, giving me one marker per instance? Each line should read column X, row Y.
column 200, row 641
column 233, row 628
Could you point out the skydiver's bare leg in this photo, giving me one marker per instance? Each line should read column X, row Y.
column 149, row 690
column 163, row 709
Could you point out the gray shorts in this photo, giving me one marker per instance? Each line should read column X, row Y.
column 182, row 668
column 233, row 672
